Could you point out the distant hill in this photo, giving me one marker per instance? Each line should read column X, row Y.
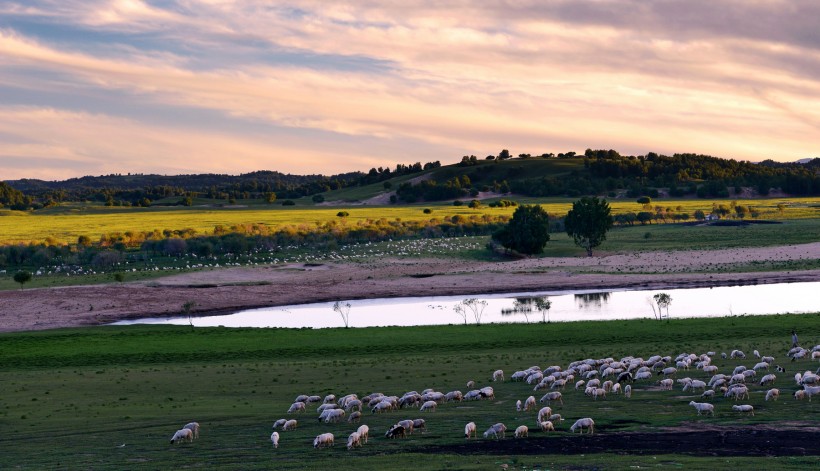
column 598, row 172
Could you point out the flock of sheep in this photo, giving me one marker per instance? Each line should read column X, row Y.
column 596, row 378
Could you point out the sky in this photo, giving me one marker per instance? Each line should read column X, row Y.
column 94, row 87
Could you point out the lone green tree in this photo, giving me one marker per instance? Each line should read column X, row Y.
column 22, row 277
column 543, row 305
column 588, row 222
column 663, row 301
column 527, row 232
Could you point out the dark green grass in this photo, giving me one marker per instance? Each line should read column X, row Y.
column 72, row 397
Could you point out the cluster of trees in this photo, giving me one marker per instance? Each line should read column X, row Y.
column 529, row 228
column 431, row 190
column 13, row 198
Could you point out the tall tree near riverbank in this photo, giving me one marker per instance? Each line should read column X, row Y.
column 588, row 222
column 527, row 232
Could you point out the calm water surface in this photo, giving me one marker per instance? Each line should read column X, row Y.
column 566, row 306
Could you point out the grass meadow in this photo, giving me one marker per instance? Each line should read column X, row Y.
column 111, row 397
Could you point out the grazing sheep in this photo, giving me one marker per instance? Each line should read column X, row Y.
column 396, row 431
column 498, row 375
column 598, row 392
column 274, row 438
column 581, row 424
column 579, row 384
column 381, row 407
column 756, row 354
column 487, row 392
column 551, row 396
column 407, row 424
column 429, row 405
column 616, row 388
column 330, row 398
column 544, row 412
column 555, row 418
column 472, row 395
column 708, row 394
column 495, row 430
column 772, row 394
column 193, row 427
column 334, row 415
column 356, row 416
column 353, row 404
column 453, row 396
column 627, row 391
column 296, row 407
column 312, row 399
column 695, row 384
column 323, row 440
column 737, row 354
column 703, row 407
column 799, row 395
column 518, row 405
column 768, row 379
column 325, row 407
column 420, row 424
column 289, row 425
column 279, row 423
column 183, row 435
column 668, row 371
column 470, row 384
column 353, row 440
column 811, row 391
column 547, row 426
column 529, row 403
column 364, row 432
column 761, row 366
column 744, row 408
column 710, row 369
column 302, row 398
column 522, row 431
column 470, row 429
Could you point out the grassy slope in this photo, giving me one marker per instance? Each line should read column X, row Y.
column 72, row 396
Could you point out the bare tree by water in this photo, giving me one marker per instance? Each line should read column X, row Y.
column 543, row 305
column 471, row 305
column 663, row 301
column 344, row 310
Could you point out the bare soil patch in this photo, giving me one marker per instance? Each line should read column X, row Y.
column 712, row 442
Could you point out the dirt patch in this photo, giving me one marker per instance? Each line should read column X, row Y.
column 724, row 442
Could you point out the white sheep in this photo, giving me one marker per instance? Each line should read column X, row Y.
column 799, row 395
column 323, row 440
column 364, row 432
column 353, row 440
column 555, row 418
column 579, row 384
column 279, row 423
column 356, row 416
column 811, row 390
column 330, row 398
column 183, row 435
column 274, row 438
column 627, row 391
column 487, row 392
column 744, row 408
column 768, row 379
column 522, row 431
column 429, row 405
column 551, row 396
column 289, row 425
column 547, row 426
column 407, row 424
column 518, row 405
column 498, row 375
column 495, row 430
column 420, row 424
column 470, row 384
column 581, row 424
column 772, row 394
column 544, row 412
column 312, row 399
column 302, row 398
column 470, row 429
column 296, row 407
column 334, row 415
column 708, row 394
column 193, row 427
column 453, row 396
column 598, row 392
column 529, row 403
column 703, row 407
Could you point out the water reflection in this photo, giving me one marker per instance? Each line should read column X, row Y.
column 528, row 307
column 591, row 300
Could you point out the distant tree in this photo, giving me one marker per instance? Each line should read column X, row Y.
column 700, row 215
column 543, row 305
column 663, row 300
column 270, row 197
column 342, row 214
column 119, row 277
column 427, row 211
column 645, row 200
column 527, row 232
column 471, row 305
column 344, row 310
column 644, row 217
column 588, row 222
column 387, row 185
column 84, row 241
column 318, row 198
column 504, row 154
column 474, row 204
column 288, row 203
column 22, row 277
column 741, row 211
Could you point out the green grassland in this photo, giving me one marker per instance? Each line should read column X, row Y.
column 111, row 397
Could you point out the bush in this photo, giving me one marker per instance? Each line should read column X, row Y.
column 343, row 214
column 458, row 203
column 288, row 203
column 427, row 211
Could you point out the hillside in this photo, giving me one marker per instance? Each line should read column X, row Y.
column 599, row 172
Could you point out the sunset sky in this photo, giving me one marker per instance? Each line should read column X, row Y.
column 92, row 87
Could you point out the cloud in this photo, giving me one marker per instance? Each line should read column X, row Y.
column 735, row 79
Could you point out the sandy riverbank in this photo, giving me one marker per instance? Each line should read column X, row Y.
column 232, row 289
